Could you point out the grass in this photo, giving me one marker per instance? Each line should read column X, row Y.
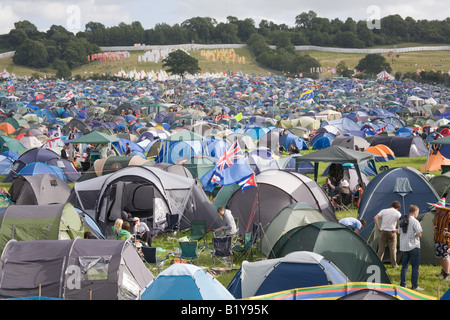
column 406, row 62
column 433, row 286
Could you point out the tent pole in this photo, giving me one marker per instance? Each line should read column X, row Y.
column 428, row 158
column 316, row 171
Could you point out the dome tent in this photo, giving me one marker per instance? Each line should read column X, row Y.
column 404, row 184
column 347, row 250
column 298, row 269
column 275, row 190
column 185, row 282
column 148, row 192
column 39, row 190
column 294, row 215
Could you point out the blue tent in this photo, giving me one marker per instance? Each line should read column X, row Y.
column 322, row 143
column 288, row 139
column 403, row 184
column 36, row 168
column 185, row 282
column 299, row 269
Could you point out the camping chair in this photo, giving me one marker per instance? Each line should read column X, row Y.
column 149, row 254
column 198, row 232
column 243, row 249
column 173, row 225
column 222, row 251
column 188, row 250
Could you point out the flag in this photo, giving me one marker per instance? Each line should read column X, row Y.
column 238, row 117
column 248, row 182
column 307, row 95
column 231, row 168
column 69, row 95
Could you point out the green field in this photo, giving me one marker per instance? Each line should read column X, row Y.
column 405, row 62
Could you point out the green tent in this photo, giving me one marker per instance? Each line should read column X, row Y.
column 10, row 144
column 40, row 222
column 96, row 137
column 199, row 165
column 441, row 184
column 295, row 215
column 347, row 250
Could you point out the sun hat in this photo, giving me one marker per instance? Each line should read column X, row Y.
column 345, row 183
column 440, row 204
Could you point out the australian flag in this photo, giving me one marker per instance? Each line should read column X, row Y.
column 231, row 168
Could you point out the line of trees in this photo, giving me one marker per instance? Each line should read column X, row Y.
column 309, row 29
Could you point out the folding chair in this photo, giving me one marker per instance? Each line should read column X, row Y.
column 150, row 257
column 172, row 225
column 198, row 232
column 242, row 250
column 222, row 251
column 188, row 250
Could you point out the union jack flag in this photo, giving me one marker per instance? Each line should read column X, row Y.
column 230, row 156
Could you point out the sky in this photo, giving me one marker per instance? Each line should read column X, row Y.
column 74, row 14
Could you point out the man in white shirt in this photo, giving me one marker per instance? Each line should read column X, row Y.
column 388, row 231
column 410, row 232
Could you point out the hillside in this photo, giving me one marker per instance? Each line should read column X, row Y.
column 405, row 62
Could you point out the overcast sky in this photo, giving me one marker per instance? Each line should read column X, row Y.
column 74, row 14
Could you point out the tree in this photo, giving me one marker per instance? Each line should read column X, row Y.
column 32, row 54
column 62, row 69
column 179, row 62
column 373, row 64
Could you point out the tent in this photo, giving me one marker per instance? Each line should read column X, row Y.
column 39, row 190
column 45, row 156
column 185, row 282
column 412, row 146
column 337, row 291
column 338, row 154
column 148, row 192
column 441, row 184
column 298, row 269
column 40, row 222
column 295, row 215
column 404, row 184
column 275, row 190
column 351, row 142
column 347, row 250
column 76, row 269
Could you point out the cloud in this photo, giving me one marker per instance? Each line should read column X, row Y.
column 7, row 18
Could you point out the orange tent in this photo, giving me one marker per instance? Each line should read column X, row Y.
column 7, row 127
column 386, row 150
column 377, row 151
column 435, row 161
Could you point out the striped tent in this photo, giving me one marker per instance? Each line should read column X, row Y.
column 335, row 292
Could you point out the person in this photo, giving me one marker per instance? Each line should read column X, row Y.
column 388, row 231
column 410, row 232
column 124, row 233
column 64, row 152
column 126, row 214
column 230, row 228
column 128, row 150
column 333, row 186
column 117, row 226
column 441, row 225
column 353, row 224
column 142, row 231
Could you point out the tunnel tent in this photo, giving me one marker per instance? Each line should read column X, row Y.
column 108, row 270
column 40, row 222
